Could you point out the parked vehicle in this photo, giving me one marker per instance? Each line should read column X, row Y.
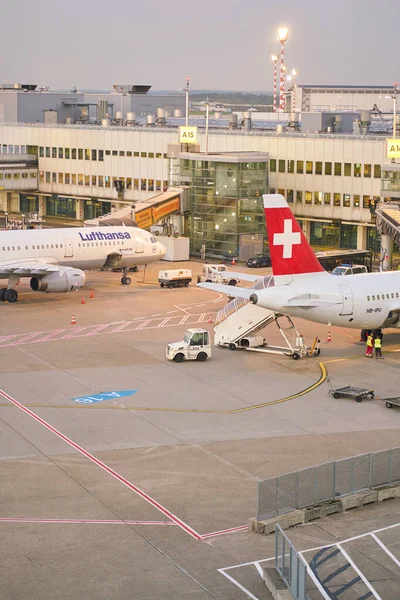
column 349, row 269
column 196, row 345
column 175, row 278
column 259, row 260
column 217, row 274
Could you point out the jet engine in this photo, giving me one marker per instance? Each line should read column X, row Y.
column 66, row 279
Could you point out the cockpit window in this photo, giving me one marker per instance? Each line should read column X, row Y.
column 153, row 239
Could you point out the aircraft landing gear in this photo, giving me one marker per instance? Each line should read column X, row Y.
column 124, row 279
column 8, row 295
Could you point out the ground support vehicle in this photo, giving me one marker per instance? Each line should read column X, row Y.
column 196, row 345
column 175, row 278
column 352, row 392
column 390, row 402
column 217, row 274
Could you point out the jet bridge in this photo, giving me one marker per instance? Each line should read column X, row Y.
column 239, row 321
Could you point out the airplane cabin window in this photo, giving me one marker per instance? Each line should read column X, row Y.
column 79, row 245
column 13, row 247
column 8, row 248
column 378, row 297
column 388, row 296
column 368, row 298
column 373, row 297
column 397, row 294
column 19, row 247
column 26, row 247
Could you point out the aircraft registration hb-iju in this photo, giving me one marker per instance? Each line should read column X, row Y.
column 54, row 259
column 300, row 287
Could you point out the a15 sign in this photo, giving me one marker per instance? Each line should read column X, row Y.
column 188, row 135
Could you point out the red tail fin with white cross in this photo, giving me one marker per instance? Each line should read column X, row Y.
column 291, row 254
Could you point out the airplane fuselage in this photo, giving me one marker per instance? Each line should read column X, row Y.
column 365, row 301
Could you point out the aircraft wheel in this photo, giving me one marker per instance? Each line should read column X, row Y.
column 11, row 295
column 3, row 294
column 295, row 356
column 232, row 347
column 336, row 395
column 232, row 282
column 126, row 280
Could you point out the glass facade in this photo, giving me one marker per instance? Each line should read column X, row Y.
column 56, row 206
column 225, row 203
column 29, row 203
column 332, row 234
column 95, row 208
column 390, row 180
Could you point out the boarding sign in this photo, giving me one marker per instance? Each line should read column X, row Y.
column 393, row 149
column 188, row 135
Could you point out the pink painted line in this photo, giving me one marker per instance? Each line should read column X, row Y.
column 8, row 337
column 163, row 322
column 69, row 335
column 80, row 521
column 99, row 328
column 47, row 337
column 225, row 531
column 106, row 468
column 26, row 338
column 120, row 327
column 143, row 324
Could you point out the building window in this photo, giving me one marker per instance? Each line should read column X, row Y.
column 115, row 152
column 290, row 166
column 158, row 185
column 94, row 180
column 136, row 184
column 272, row 165
column 151, row 185
column 61, row 178
column 158, row 155
column 108, row 152
column 67, row 153
column 80, row 179
column 356, row 201
column 318, row 168
column 87, row 154
column 122, row 153
column 54, row 177
column 317, row 197
column 94, row 154
column 347, row 170
column 47, row 177
column 366, row 201
column 357, row 170
column 67, row 178
column 41, row 177
column 300, row 166
column 165, row 185
column 327, row 197
column 129, row 152
column 41, row 152
column 87, row 180
column 107, row 181
column 80, row 153
column 346, row 200
column 308, row 198
column 151, row 155
column 129, row 183
column 73, row 153
column 54, row 153
column 7, row 176
column 336, row 199
column 100, row 181
column 328, row 168
column 289, row 195
column 272, row 190
column 61, row 153
column 299, row 197
column 281, row 166
column 136, row 154
column 101, row 155
column 143, row 154
column 143, row 185
column 377, row 171
column 367, row 171
column 309, row 167
column 16, row 175
column 338, row 168
column 73, row 178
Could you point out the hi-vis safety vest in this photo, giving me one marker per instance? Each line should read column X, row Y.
column 378, row 343
column 369, row 340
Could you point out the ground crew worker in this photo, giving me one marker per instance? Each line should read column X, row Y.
column 378, row 347
column 370, row 345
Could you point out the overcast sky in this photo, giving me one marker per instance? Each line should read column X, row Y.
column 220, row 44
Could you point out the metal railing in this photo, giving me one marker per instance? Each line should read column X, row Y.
column 328, row 481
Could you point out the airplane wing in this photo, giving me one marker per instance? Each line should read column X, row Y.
column 27, row 269
column 231, row 290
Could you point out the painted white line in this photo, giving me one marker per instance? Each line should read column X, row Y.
column 182, row 309
column 386, row 549
column 201, row 317
column 183, row 320
column 170, row 311
column 47, row 337
column 69, row 335
column 239, row 585
column 106, row 468
column 259, row 569
column 199, row 305
column 359, row 573
column 81, row 521
column 143, row 325
column 225, row 531
column 247, row 564
column 26, row 338
column 157, row 315
column 163, row 322
column 121, row 327
column 99, row 328
column 8, row 337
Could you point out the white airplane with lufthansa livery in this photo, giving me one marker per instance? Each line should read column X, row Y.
column 55, row 259
column 302, row 288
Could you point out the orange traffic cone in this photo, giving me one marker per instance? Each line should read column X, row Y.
column 73, row 321
column 91, row 294
column 233, row 261
column 83, row 301
column 210, row 319
column 329, row 339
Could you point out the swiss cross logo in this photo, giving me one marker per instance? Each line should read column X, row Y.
column 287, row 239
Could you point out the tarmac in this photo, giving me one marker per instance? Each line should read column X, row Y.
column 147, row 495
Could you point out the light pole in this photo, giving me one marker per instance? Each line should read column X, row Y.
column 282, row 37
column 186, row 90
column 275, row 58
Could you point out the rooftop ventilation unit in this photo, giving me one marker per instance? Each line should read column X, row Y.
column 131, row 89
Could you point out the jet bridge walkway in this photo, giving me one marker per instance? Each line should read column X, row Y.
column 239, row 321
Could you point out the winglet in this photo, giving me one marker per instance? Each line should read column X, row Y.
column 291, row 254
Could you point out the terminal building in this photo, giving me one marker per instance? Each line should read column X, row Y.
column 333, row 167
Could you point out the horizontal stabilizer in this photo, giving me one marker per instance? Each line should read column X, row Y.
column 231, row 290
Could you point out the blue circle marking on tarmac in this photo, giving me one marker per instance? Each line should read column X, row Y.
column 104, row 396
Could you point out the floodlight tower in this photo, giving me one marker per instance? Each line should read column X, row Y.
column 282, row 37
column 275, row 58
column 294, row 89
